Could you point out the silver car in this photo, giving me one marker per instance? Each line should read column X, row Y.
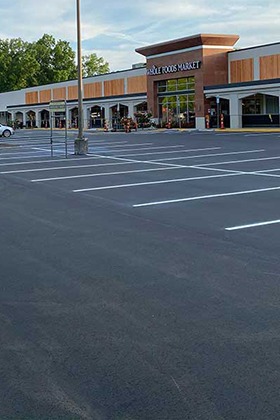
column 6, row 131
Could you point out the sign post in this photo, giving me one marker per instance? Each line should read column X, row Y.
column 58, row 106
column 218, row 110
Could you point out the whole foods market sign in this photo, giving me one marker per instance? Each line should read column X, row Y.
column 173, row 68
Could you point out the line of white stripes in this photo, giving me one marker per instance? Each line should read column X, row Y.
column 116, row 173
column 263, row 172
column 20, row 171
column 134, row 154
column 152, row 148
column 138, row 171
column 259, row 134
column 240, row 161
column 211, row 154
column 271, row 222
column 92, row 157
column 61, row 141
column 205, row 197
column 165, row 181
column 123, row 162
column 172, row 166
column 59, row 178
column 26, row 157
column 120, row 145
column 120, row 161
column 127, row 161
column 48, row 150
column 20, row 152
column 123, row 159
column 168, row 152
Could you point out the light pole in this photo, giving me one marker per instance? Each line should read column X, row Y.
column 81, row 144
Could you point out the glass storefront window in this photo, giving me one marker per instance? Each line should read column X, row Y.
column 177, row 109
column 176, row 102
column 174, row 85
column 171, row 85
column 252, row 105
column 162, row 86
column 272, row 104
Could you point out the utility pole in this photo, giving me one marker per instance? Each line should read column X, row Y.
column 81, row 143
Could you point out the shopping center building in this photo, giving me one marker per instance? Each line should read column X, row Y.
column 193, row 82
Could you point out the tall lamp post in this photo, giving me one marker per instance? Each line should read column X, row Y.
column 81, row 143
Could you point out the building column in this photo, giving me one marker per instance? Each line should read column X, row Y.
column 24, row 118
column 235, row 110
column 38, row 119
column 107, row 115
column 131, row 110
column 13, row 115
column 85, row 117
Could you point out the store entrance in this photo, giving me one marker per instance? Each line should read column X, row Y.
column 96, row 117
column 176, row 103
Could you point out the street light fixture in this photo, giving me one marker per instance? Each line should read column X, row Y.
column 81, row 144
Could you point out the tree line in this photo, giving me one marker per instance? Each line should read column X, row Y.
column 47, row 60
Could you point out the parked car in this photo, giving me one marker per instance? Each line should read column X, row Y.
column 6, row 131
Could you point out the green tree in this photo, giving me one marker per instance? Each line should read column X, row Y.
column 93, row 65
column 56, row 60
column 18, row 66
column 24, row 64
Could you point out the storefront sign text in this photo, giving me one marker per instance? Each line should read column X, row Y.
column 173, row 68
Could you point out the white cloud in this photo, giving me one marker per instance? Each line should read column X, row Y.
column 114, row 29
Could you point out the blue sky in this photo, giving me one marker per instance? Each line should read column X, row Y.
column 114, row 29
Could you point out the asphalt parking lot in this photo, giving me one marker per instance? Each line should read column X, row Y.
column 140, row 281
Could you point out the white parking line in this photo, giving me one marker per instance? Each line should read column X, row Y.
column 172, row 166
column 47, row 160
column 210, row 154
column 240, row 161
column 45, row 150
column 120, row 145
column 20, row 152
column 25, row 157
column 165, row 181
column 271, row 222
column 259, row 134
column 263, row 172
column 59, row 178
column 120, row 161
column 91, row 157
column 152, row 148
column 205, row 197
column 168, row 152
column 57, row 168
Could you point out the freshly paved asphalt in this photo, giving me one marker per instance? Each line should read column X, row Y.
column 111, row 312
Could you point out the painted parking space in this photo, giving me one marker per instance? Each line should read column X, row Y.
column 159, row 175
